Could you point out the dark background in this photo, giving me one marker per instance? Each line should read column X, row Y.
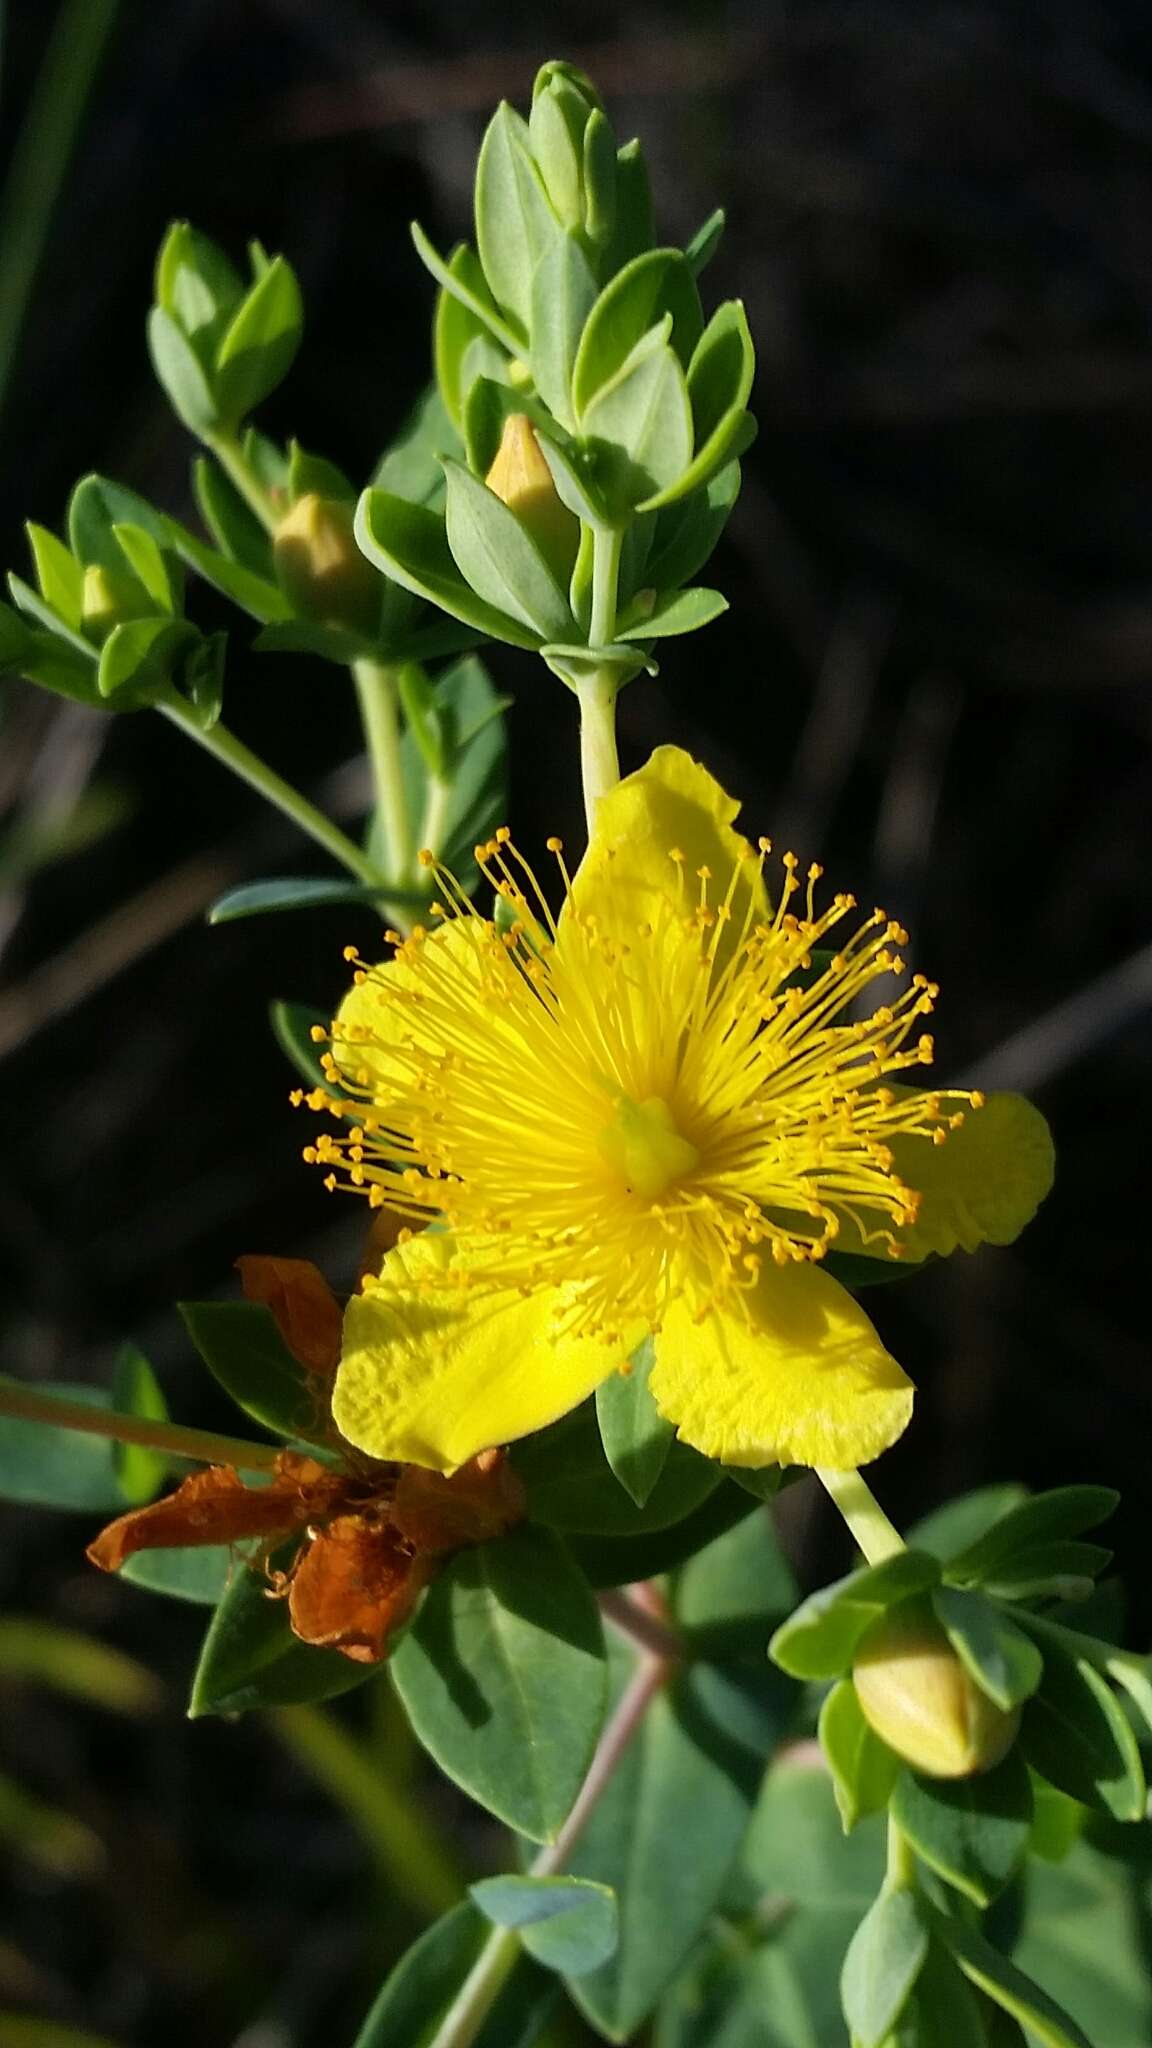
column 935, row 674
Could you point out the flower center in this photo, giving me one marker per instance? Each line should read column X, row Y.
column 644, row 1147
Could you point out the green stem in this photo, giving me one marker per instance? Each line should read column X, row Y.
column 229, row 453
column 874, row 1533
column 41, row 156
column 901, row 1859
column 251, row 769
column 26, row 1404
column 497, row 1959
column 599, row 761
column 607, row 547
column 376, row 690
column 408, row 1850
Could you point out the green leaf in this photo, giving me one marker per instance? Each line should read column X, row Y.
column 679, row 1764
column 864, row 1770
column 181, row 374
column 1004, row 1662
column 1060, row 1571
column 727, row 1597
column 1066, row 1511
column 150, row 565
column 244, row 1351
column 254, row 593
column 258, row 349
column 1075, row 1733
column 884, row 1959
column 599, row 178
column 633, row 232
column 688, row 530
column 463, row 280
column 470, row 717
column 410, row 544
column 44, row 1466
column 292, row 1029
column 705, row 242
column 640, row 425
column 719, row 383
column 953, row 1528
column 308, row 473
column 502, row 1677
column 96, row 508
column 201, row 678
column 136, row 1391
column 656, row 284
column 196, row 282
column 427, row 1978
column 296, row 892
column 250, row 1657
column 682, row 611
column 59, row 574
column 499, row 559
column 571, row 1485
column 1084, row 1939
column 972, row 1831
column 464, row 347
column 635, row 1436
column 137, row 658
column 563, row 294
column 566, row 1923
column 819, row 1640
column 623, row 1560
column 514, row 222
column 411, row 466
column 1007, row 1986
column 232, row 523
column 200, row 1574
column 725, row 446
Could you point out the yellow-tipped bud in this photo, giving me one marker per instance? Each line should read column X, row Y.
column 916, row 1694
column 322, row 571
column 108, row 599
column 520, row 476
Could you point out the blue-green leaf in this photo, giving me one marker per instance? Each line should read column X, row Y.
column 569, row 1924
column 972, row 1831
column 497, row 556
column 820, row 1639
column 635, row 1436
column 884, row 1959
column 410, row 544
column 243, row 1349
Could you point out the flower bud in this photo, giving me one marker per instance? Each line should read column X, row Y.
column 915, row 1692
column 522, row 479
column 322, row 571
column 108, row 599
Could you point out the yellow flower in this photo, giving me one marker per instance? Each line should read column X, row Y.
column 654, row 1112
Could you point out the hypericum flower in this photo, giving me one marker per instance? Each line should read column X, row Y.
column 650, row 1114
column 366, row 1537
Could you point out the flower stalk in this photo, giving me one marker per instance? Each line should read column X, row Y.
column 205, row 1446
column 874, row 1534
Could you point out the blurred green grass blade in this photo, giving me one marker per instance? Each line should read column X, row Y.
column 21, row 2030
column 42, row 1654
column 41, row 156
column 393, row 1824
column 46, row 1837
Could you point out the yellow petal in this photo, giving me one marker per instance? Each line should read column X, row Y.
column 434, row 1371
column 980, row 1187
column 672, row 802
column 804, row 1380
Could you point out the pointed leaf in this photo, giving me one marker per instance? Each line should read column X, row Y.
column 700, row 250
column 59, row 1468
column 884, row 1959
column 502, row 1676
column 641, row 425
column 410, row 544
column 657, row 283
column 681, row 611
column 250, row 1657
column 635, row 1436
column 499, row 559
column 294, row 892
column 292, row 1025
column 60, row 575
column 258, row 349
column 864, row 1770
column 136, row 1391
column 569, row 1924
column 972, row 1831
column 563, row 294
column 465, row 282
column 1075, row 1733
column 1007, row 1986
column 254, row 593
column 515, row 223
column 1066, row 1511
column 820, row 1639
column 953, row 1528
column 201, row 1574
column 1004, row 1661
column 243, row 1349
column 181, row 373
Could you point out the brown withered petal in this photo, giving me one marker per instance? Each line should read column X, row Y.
column 215, row 1506
column 482, row 1500
column 353, row 1587
column 307, row 1313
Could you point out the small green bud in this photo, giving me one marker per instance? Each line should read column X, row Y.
column 109, row 599
column 521, row 478
column 321, row 570
column 919, row 1698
